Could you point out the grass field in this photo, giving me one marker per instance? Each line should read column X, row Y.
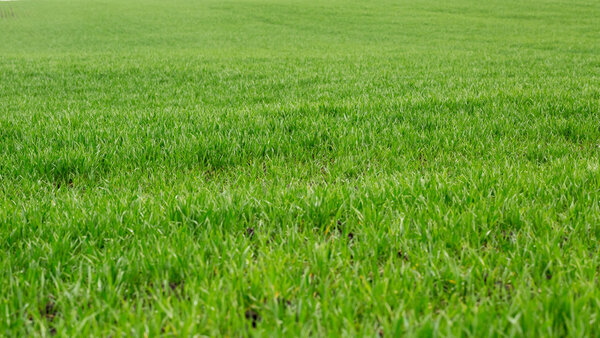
column 300, row 167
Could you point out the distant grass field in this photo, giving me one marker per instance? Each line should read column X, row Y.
column 300, row 167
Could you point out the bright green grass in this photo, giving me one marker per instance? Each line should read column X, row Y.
column 304, row 167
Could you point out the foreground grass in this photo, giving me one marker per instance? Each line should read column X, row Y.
column 297, row 167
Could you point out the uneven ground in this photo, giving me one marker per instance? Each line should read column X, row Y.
column 299, row 167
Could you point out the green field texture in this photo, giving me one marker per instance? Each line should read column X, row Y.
column 300, row 167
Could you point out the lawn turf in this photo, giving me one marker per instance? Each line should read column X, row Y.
column 300, row 167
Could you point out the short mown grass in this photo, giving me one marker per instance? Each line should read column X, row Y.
column 262, row 167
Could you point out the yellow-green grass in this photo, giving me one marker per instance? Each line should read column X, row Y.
column 299, row 167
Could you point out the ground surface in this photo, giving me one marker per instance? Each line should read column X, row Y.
column 300, row 167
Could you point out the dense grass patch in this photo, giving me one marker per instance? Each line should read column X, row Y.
column 299, row 167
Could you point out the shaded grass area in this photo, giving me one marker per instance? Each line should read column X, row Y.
column 261, row 167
